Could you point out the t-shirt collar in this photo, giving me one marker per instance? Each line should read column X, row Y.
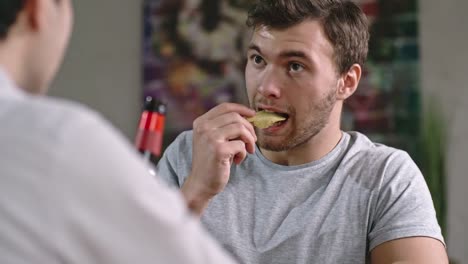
column 8, row 88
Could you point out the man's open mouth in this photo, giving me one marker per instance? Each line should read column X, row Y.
column 278, row 123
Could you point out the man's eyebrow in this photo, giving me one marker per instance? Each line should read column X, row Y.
column 254, row 47
column 284, row 54
column 295, row 53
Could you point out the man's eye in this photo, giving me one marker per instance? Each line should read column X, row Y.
column 257, row 59
column 295, row 67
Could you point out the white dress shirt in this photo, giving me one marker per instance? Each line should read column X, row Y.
column 72, row 190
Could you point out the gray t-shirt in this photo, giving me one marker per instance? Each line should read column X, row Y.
column 333, row 210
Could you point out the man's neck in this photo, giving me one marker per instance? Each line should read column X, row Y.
column 9, row 65
column 12, row 61
column 314, row 149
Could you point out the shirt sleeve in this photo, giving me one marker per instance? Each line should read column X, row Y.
column 114, row 211
column 170, row 166
column 404, row 206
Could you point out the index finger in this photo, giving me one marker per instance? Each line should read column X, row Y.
column 225, row 108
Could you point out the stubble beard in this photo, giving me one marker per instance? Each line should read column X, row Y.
column 320, row 116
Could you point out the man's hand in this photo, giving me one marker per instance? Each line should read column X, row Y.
column 413, row 250
column 221, row 137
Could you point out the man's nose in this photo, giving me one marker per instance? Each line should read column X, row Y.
column 270, row 84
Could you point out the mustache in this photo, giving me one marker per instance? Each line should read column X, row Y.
column 261, row 104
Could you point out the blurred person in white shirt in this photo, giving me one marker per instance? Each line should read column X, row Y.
column 72, row 190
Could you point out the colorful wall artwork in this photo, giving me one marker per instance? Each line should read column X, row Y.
column 193, row 57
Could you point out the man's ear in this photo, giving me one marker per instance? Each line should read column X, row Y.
column 33, row 15
column 348, row 82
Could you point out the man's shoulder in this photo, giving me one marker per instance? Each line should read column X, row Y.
column 63, row 109
column 183, row 141
column 53, row 115
column 55, row 131
column 179, row 150
column 49, row 120
column 376, row 162
column 363, row 147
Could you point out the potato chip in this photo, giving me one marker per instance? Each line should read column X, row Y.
column 264, row 119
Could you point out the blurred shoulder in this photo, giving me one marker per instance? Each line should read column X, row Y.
column 54, row 117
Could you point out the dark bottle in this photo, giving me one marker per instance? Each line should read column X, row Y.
column 150, row 132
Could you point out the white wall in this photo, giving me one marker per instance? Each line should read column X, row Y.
column 102, row 66
column 102, row 70
column 444, row 41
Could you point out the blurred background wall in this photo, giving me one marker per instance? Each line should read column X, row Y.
column 444, row 56
column 102, row 69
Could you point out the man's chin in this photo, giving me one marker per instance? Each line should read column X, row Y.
column 273, row 145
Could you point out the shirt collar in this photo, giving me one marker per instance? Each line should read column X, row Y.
column 8, row 88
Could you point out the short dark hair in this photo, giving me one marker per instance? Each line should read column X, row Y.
column 344, row 24
column 9, row 10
